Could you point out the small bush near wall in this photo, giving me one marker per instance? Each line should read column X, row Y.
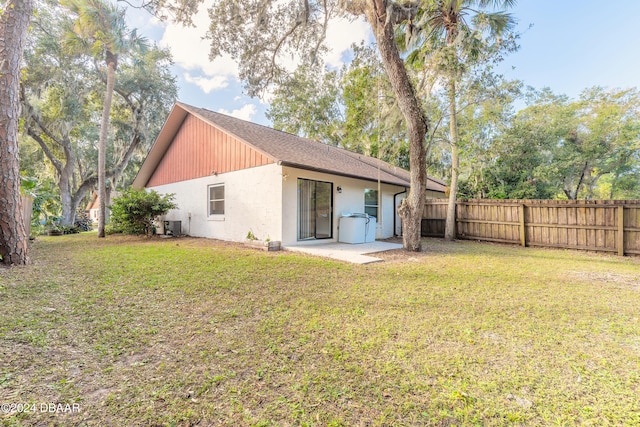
column 134, row 211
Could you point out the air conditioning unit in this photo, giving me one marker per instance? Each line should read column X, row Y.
column 173, row 228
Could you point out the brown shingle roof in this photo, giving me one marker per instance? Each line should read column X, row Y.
column 291, row 150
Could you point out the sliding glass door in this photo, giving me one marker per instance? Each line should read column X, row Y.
column 315, row 209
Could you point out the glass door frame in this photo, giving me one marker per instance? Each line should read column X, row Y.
column 312, row 214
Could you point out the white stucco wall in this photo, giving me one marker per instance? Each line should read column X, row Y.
column 264, row 200
column 253, row 200
column 350, row 200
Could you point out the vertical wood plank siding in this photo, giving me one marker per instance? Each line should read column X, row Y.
column 199, row 150
column 595, row 225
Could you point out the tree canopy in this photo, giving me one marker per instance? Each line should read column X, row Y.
column 62, row 92
column 563, row 148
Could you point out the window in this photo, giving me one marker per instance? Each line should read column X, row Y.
column 371, row 202
column 216, row 199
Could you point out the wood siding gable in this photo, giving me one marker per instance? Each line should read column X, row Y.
column 199, row 149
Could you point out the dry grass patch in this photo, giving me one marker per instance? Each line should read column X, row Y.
column 200, row 332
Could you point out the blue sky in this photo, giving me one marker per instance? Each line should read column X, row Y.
column 567, row 45
column 574, row 45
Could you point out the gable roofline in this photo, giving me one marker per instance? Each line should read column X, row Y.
column 169, row 130
column 291, row 150
column 160, row 146
column 281, row 147
column 202, row 114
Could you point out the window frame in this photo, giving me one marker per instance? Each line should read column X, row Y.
column 370, row 206
column 209, row 200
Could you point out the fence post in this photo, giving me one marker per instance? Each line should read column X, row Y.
column 620, row 242
column 523, row 231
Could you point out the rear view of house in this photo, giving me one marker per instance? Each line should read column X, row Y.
column 232, row 178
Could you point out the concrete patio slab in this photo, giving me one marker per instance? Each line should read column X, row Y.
column 354, row 253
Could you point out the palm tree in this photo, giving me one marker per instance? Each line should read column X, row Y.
column 101, row 31
column 463, row 31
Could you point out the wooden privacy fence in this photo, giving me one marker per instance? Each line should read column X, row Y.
column 27, row 206
column 594, row 225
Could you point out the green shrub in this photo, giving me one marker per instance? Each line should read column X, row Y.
column 70, row 229
column 134, row 211
column 112, row 229
column 83, row 222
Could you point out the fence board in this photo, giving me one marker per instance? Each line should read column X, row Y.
column 600, row 225
column 27, row 206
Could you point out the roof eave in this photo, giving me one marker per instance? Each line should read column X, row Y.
column 399, row 183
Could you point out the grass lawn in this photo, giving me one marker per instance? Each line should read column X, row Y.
column 181, row 332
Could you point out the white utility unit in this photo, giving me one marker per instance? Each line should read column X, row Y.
column 357, row 228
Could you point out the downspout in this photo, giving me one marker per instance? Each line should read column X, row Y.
column 395, row 198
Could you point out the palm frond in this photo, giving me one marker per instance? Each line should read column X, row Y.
column 494, row 24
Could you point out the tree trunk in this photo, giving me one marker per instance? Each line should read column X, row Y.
column 568, row 187
column 87, row 185
column 69, row 199
column 411, row 208
column 589, row 183
column 65, row 186
column 102, row 143
column 70, row 203
column 14, row 21
column 68, row 213
column 450, row 224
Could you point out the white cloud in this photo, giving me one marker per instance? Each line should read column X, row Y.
column 143, row 21
column 245, row 113
column 208, row 84
column 190, row 50
column 341, row 34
